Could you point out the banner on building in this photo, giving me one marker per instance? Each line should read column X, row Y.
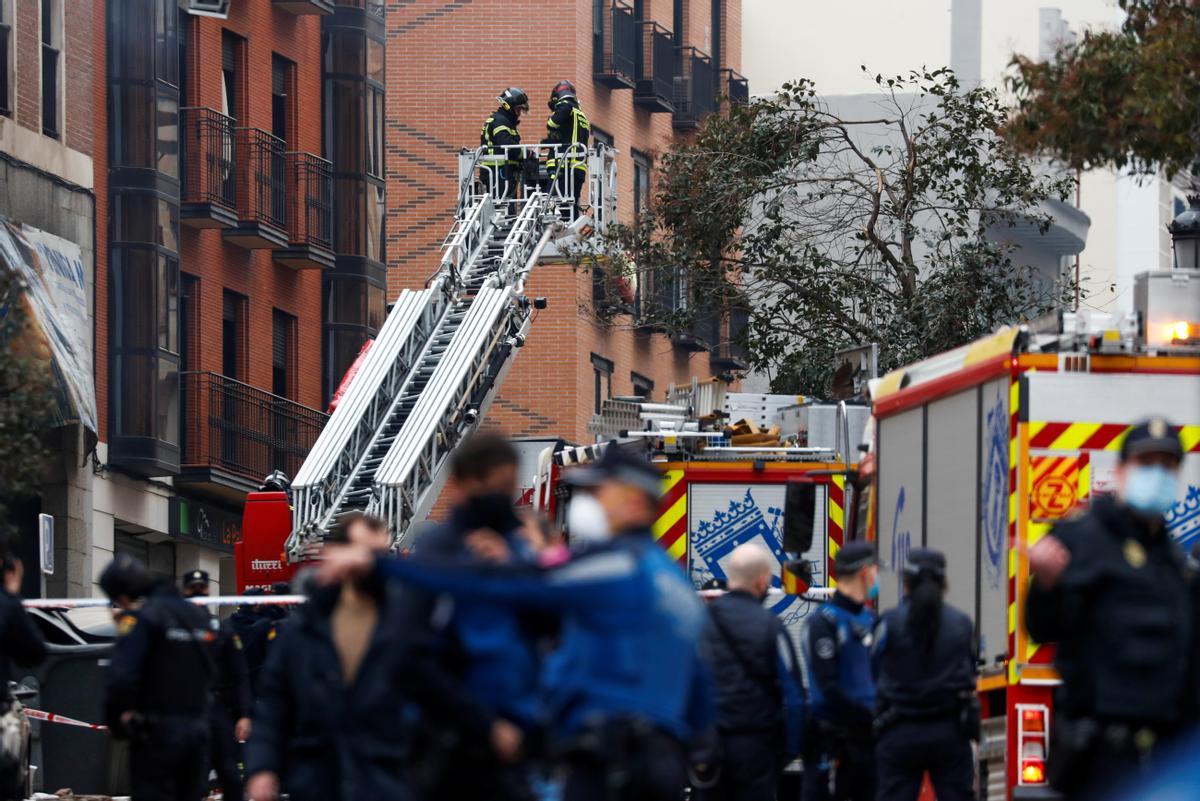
column 56, row 302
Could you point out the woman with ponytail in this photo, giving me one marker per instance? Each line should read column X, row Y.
column 924, row 659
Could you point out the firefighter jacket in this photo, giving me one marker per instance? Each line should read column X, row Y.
column 500, row 130
column 837, row 641
column 631, row 624
column 912, row 683
column 1122, row 615
column 567, row 126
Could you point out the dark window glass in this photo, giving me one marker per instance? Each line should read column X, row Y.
column 183, row 30
column 341, row 349
column 345, row 52
column 232, row 333
column 167, row 397
column 134, row 293
column 131, row 35
column 5, row 66
column 135, row 395
column 601, row 136
column 133, row 126
column 349, row 201
column 165, row 42
column 602, row 370
column 283, row 328
column 347, row 133
column 643, row 387
column 281, row 80
column 50, row 58
column 347, row 300
column 641, row 184
column 230, row 50
column 375, row 131
column 376, row 308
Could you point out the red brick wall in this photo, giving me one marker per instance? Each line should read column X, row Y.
column 439, row 93
column 75, row 70
column 27, row 34
column 204, row 254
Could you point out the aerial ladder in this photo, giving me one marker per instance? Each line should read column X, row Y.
column 435, row 365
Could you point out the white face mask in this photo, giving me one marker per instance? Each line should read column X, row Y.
column 586, row 521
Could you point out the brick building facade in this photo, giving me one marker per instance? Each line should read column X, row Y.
column 448, row 61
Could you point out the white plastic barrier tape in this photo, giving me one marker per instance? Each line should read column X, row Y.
column 215, row 600
column 50, row 717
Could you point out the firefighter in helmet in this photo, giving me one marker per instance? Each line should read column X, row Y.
column 568, row 130
column 501, row 163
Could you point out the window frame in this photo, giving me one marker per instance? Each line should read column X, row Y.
column 239, row 303
column 50, row 40
column 291, row 362
column 641, row 382
column 602, row 374
column 8, row 84
column 288, row 67
column 642, row 164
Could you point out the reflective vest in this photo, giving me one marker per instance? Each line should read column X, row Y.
column 500, row 129
column 568, row 126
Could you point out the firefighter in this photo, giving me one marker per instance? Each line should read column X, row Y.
column 568, row 130
column 159, row 680
column 923, row 660
column 229, row 714
column 501, row 163
column 839, row 762
column 1111, row 589
column 625, row 690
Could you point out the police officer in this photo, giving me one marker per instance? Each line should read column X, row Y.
column 501, row 162
column 626, row 688
column 839, row 762
column 229, row 715
column 254, row 626
column 1111, row 589
column 159, row 680
column 924, row 659
column 20, row 644
column 568, row 130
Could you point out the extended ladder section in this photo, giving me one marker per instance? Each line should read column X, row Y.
column 430, row 373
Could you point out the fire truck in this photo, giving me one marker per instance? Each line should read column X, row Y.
column 978, row 451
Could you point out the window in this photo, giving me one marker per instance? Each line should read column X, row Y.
column 51, row 52
column 643, row 387
column 602, row 137
column 231, row 51
column 233, row 334
column 375, row 131
column 283, row 351
column 6, row 67
column 602, row 370
column 641, row 184
column 281, row 95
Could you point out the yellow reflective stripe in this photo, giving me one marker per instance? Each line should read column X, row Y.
column 670, row 517
column 500, row 128
column 550, row 123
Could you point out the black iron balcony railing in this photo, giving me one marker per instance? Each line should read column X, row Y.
column 262, row 185
column 615, row 44
column 310, row 194
column 660, row 299
column 243, row 430
column 208, row 176
column 656, row 68
column 305, row 6
column 735, row 87
column 730, row 354
column 702, row 331
column 695, row 88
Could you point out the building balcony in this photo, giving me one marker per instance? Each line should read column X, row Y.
column 729, row 356
column 695, row 94
column 613, row 294
column 304, row 6
column 655, row 87
column 309, row 213
column 261, row 190
column 703, row 331
column 658, row 300
column 615, row 43
column 235, row 434
column 734, row 87
column 208, row 169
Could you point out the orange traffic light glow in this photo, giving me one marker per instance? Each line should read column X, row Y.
column 1178, row 330
column 1033, row 772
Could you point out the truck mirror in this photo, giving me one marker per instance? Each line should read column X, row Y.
column 799, row 515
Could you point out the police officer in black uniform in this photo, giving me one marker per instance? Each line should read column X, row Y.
column 924, row 660
column 568, row 130
column 839, row 762
column 229, row 715
column 159, row 681
column 500, row 165
column 1111, row 589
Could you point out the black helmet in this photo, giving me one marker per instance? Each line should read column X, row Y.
column 561, row 91
column 513, row 98
column 126, row 576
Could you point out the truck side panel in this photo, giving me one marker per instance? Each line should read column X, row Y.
column 993, row 522
column 951, row 492
column 899, row 510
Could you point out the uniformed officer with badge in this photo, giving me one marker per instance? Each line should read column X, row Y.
column 159, row 680
column 229, row 714
column 1112, row 590
column 840, row 762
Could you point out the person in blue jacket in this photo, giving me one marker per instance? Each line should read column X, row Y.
column 626, row 690
column 839, row 763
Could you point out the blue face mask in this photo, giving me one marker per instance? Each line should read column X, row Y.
column 1151, row 489
column 873, row 592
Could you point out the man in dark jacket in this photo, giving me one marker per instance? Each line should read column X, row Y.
column 229, row 714
column 568, row 130
column 159, row 680
column 500, row 165
column 1111, row 589
column 20, row 644
column 256, row 629
column 751, row 656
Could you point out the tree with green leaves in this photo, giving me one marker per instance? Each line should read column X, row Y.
column 26, row 403
column 835, row 230
column 1125, row 97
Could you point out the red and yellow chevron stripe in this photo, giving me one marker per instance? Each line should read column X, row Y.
column 671, row 528
column 837, row 519
column 1014, row 455
column 1094, row 436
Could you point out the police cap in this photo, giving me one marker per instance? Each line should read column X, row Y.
column 618, row 465
column 125, row 576
column 1155, row 435
column 927, row 561
column 853, row 557
column 194, row 577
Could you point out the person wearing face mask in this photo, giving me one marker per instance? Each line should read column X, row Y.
column 1112, row 590
column 755, row 670
column 626, row 689
column 840, row 764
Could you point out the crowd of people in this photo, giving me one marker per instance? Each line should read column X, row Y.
column 498, row 661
